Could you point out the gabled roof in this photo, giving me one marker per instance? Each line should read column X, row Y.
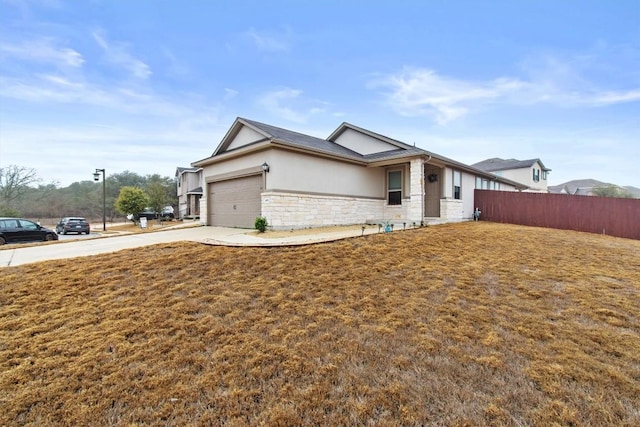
column 286, row 138
column 181, row 170
column 498, row 164
column 346, row 126
column 277, row 134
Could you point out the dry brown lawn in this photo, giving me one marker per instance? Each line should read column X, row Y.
column 466, row 324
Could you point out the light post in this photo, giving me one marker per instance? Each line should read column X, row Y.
column 96, row 177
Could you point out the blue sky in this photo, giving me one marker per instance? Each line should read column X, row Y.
column 147, row 86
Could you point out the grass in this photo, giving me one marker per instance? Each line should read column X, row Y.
column 466, row 324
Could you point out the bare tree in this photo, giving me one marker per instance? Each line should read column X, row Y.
column 14, row 182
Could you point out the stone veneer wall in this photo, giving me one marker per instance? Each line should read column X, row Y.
column 295, row 210
column 451, row 210
column 415, row 212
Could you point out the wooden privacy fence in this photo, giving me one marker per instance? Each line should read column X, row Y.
column 602, row 215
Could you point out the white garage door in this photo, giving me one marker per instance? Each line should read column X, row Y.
column 235, row 202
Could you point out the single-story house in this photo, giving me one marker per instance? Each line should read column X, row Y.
column 189, row 191
column 532, row 172
column 354, row 176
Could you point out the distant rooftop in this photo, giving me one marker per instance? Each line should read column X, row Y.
column 498, row 164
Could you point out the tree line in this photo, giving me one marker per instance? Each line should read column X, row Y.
column 22, row 194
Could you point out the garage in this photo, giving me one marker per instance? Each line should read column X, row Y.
column 235, row 202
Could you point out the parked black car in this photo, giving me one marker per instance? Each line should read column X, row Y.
column 23, row 230
column 73, row 225
column 167, row 213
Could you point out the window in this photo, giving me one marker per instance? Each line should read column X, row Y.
column 457, row 183
column 544, row 175
column 492, row 185
column 478, row 182
column 9, row 223
column 394, row 187
column 485, row 184
column 536, row 175
column 28, row 225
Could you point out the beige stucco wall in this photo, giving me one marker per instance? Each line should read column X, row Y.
column 525, row 176
column 361, row 143
column 245, row 136
column 462, row 209
column 298, row 172
column 320, row 180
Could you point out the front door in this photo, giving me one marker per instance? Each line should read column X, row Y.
column 432, row 190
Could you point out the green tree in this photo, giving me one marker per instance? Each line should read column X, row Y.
column 128, row 179
column 157, row 191
column 611, row 191
column 131, row 200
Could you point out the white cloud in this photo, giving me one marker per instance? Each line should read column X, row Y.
column 176, row 68
column 416, row 92
column 424, row 92
column 606, row 98
column 119, row 55
column 54, row 89
column 44, row 50
column 270, row 42
column 230, row 93
column 289, row 104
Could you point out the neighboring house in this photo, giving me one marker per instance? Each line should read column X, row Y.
column 352, row 177
column 587, row 187
column 189, row 182
column 531, row 173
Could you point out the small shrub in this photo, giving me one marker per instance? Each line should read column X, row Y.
column 261, row 224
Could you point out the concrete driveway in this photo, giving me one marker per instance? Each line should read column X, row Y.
column 205, row 234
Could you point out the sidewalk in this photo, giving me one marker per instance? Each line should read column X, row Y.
column 284, row 238
column 10, row 256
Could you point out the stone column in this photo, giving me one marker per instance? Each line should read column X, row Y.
column 416, row 190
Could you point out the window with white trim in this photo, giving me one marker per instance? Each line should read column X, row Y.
column 394, row 187
column 457, row 185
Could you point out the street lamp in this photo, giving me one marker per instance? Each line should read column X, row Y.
column 96, row 177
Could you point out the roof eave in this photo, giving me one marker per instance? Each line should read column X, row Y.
column 233, row 131
column 294, row 147
column 345, row 125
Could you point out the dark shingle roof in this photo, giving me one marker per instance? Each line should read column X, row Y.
column 498, row 164
column 295, row 139
column 302, row 140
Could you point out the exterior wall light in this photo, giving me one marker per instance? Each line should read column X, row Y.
column 265, row 167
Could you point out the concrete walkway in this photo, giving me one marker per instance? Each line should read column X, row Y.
column 203, row 234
